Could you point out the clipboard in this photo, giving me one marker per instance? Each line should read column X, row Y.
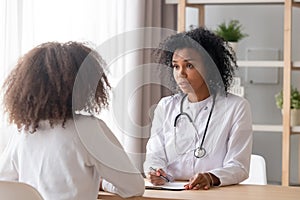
column 173, row 186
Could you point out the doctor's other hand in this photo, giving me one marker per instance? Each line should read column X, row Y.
column 200, row 181
column 155, row 176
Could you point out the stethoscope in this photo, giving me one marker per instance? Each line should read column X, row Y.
column 200, row 151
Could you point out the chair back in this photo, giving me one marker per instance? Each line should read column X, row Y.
column 10, row 190
column 258, row 172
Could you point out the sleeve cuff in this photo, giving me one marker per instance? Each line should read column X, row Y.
column 107, row 186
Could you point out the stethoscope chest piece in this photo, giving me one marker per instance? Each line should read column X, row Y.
column 199, row 152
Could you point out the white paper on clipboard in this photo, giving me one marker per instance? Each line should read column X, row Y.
column 175, row 186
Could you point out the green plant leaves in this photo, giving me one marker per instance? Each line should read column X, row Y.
column 231, row 32
column 295, row 99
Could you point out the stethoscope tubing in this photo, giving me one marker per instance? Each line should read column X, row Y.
column 208, row 120
column 190, row 119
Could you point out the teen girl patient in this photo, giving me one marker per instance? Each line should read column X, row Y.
column 61, row 153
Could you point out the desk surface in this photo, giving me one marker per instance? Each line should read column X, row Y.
column 243, row 192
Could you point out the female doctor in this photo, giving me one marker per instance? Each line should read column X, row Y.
column 202, row 133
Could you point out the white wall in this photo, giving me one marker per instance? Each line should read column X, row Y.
column 264, row 24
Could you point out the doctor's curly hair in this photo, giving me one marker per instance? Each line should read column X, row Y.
column 205, row 42
column 41, row 86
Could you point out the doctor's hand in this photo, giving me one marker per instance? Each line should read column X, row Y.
column 155, row 176
column 200, row 181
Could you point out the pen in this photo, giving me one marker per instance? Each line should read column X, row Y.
column 161, row 176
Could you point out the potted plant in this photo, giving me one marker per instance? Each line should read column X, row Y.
column 231, row 32
column 295, row 104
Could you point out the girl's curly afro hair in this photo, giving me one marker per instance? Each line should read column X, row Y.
column 41, row 86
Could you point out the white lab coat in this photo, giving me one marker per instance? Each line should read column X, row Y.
column 228, row 141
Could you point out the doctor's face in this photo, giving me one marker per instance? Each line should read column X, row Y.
column 186, row 64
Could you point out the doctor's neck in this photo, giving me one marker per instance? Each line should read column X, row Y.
column 192, row 97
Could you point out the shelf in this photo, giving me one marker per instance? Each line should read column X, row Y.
column 257, row 63
column 266, row 63
column 286, row 64
column 222, row 2
column 296, row 65
column 274, row 128
column 296, row 130
column 267, row 128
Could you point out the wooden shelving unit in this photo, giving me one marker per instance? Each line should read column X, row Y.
column 287, row 64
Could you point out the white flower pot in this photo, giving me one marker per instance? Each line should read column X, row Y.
column 234, row 46
column 295, row 117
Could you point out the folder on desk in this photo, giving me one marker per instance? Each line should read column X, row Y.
column 174, row 186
